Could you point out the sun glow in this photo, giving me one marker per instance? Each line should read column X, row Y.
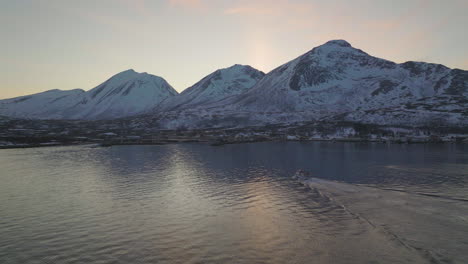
column 66, row 45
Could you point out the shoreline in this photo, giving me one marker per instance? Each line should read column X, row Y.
column 218, row 143
column 26, row 146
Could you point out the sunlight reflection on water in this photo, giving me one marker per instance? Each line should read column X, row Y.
column 192, row 203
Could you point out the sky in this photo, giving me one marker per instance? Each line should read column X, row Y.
column 68, row 44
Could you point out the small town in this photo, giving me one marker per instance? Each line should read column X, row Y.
column 17, row 133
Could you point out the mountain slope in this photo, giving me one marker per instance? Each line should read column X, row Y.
column 48, row 104
column 336, row 78
column 331, row 82
column 125, row 94
column 338, row 82
column 216, row 86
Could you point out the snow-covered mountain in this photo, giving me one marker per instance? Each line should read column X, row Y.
column 49, row 104
column 336, row 77
column 331, row 82
column 217, row 86
column 124, row 94
column 338, row 82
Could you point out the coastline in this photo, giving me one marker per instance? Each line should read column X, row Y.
column 222, row 142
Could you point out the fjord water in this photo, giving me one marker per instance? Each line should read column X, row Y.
column 194, row 203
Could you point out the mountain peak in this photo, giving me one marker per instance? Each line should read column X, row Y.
column 333, row 46
column 240, row 69
column 236, row 66
column 124, row 74
column 338, row 42
column 216, row 86
column 127, row 72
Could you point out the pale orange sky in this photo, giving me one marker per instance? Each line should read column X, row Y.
column 63, row 44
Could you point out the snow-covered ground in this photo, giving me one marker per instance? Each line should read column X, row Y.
column 125, row 94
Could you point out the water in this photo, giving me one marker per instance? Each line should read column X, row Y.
column 194, row 203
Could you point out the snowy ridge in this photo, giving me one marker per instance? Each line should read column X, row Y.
column 46, row 104
column 125, row 94
column 336, row 77
column 332, row 82
column 216, row 86
column 336, row 81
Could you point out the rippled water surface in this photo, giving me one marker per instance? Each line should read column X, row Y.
column 193, row 203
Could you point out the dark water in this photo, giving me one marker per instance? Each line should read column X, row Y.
column 192, row 203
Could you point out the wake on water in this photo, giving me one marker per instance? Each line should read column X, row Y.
column 432, row 226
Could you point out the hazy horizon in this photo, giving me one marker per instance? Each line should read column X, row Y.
column 68, row 45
